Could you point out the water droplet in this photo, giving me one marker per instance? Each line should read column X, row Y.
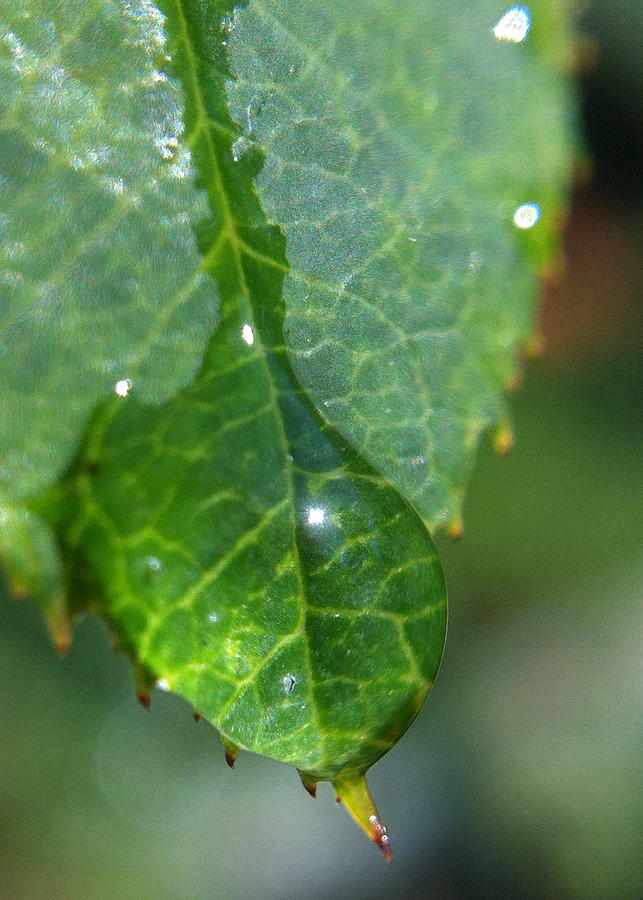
column 213, row 618
column 240, row 146
column 316, row 515
column 514, row 26
column 289, row 682
column 527, row 215
column 476, row 261
column 163, row 684
column 123, row 387
column 248, row 334
column 115, row 186
column 154, row 563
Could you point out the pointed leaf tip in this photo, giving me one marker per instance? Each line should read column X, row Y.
column 353, row 791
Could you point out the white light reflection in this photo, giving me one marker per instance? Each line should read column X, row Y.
column 123, row 387
column 316, row 515
column 248, row 334
column 163, row 684
column 527, row 215
column 514, row 26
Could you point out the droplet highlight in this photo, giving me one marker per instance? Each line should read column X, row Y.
column 123, row 387
column 248, row 334
column 527, row 215
column 316, row 515
column 514, row 26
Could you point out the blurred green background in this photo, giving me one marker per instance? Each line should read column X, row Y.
column 522, row 776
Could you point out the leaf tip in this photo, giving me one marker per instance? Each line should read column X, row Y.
column 352, row 790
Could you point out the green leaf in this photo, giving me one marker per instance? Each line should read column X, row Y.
column 399, row 139
column 243, row 553
column 244, row 537
column 100, row 276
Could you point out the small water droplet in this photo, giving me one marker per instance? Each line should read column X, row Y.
column 515, row 25
column 163, row 684
column 316, row 515
column 154, row 563
column 123, row 387
column 248, row 334
column 527, row 215
column 289, row 682
column 213, row 618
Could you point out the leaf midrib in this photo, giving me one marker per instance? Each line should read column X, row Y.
column 206, row 123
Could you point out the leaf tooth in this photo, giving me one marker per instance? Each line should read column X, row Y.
column 143, row 681
column 352, row 790
column 536, row 345
column 144, row 698
column 231, row 751
column 309, row 782
column 60, row 625
column 503, row 439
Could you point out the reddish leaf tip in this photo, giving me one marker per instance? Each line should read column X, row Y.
column 353, row 791
column 381, row 838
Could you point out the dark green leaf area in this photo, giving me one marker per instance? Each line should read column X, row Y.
column 301, row 611
column 100, row 275
column 400, row 138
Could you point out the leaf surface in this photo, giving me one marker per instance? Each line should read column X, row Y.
column 100, row 276
column 400, row 138
column 243, row 552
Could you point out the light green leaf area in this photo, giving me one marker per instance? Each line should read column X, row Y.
column 243, row 553
column 400, row 138
column 100, row 275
